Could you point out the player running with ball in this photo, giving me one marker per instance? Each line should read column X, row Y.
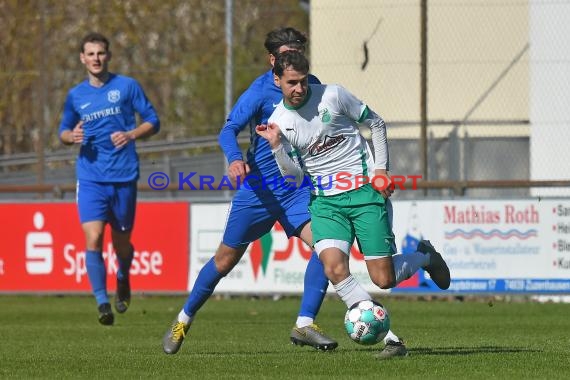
column 314, row 131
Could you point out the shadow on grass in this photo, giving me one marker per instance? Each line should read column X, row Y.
column 468, row 350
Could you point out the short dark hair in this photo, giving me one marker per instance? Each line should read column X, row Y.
column 291, row 59
column 94, row 37
column 286, row 36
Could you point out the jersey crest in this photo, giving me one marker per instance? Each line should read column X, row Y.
column 113, row 96
column 325, row 116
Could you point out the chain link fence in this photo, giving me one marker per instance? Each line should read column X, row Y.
column 484, row 103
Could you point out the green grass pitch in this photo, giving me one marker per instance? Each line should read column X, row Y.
column 244, row 338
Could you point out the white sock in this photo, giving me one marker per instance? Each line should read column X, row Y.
column 391, row 336
column 351, row 292
column 304, row 321
column 184, row 318
column 406, row 265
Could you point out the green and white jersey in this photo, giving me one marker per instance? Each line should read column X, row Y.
column 321, row 138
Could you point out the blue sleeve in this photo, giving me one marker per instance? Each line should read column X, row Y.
column 70, row 117
column 144, row 107
column 244, row 111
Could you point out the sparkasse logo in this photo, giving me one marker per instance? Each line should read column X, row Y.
column 39, row 248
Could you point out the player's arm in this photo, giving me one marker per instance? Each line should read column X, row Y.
column 283, row 152
column 379, row 138
column 354, row 108
column 245, row 109
column 71, row 127
column 150, row 124
column 121, row 138
column 363, row 115
column 380, row 143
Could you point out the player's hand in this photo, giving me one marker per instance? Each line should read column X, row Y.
column 383, row 183
column 77, row 133
column 236, row 169
column 271, row 133
column 120, row 139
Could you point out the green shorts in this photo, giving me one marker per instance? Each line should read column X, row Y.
column 359, row 214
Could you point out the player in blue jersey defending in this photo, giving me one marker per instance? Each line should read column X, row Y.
column 99, row 115
column 255, row 208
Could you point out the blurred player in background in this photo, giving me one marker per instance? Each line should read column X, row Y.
column 314, row 131
column 255, row 208
column 99, row 115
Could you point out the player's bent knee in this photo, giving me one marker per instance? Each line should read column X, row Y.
column 336, row 272
column 384, row 282
column 226, row 258
column 224, row 265
column 334, row 276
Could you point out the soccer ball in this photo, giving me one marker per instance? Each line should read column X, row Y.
column 367, row 322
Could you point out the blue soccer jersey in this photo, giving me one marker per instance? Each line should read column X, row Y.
column 254, row 107
column 256, row 207
column 105, row 110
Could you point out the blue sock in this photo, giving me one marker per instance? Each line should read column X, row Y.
column 315, row 287
column 125, row 266
column 203, row 288
column 97, row 274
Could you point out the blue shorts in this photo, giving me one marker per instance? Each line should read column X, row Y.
column 249, row 220
column 112, row 202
